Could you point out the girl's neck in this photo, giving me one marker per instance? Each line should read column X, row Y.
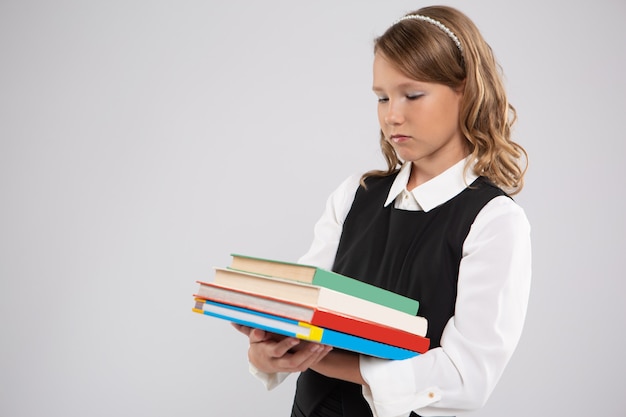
column 422, row 172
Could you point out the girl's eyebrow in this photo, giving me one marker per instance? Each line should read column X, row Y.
column 401, row 86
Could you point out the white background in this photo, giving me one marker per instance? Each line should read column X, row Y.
column 141, row 142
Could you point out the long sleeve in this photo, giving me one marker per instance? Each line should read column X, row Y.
column 327, row 230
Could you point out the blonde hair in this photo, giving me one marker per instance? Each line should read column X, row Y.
column 425, row 52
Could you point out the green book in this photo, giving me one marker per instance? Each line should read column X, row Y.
column 324, row 278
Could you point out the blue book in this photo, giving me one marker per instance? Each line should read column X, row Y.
column 301, row 330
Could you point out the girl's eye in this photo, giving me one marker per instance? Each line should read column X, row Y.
column 383, row 99
column 413, row 96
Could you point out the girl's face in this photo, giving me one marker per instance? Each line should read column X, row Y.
column 419, row 119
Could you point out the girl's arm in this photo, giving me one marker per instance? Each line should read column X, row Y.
column 340, row 365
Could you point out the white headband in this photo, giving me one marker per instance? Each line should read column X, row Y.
column 436, row 23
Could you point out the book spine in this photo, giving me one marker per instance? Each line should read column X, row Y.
column 358, row 344
column 366, row 291
column 372, row 331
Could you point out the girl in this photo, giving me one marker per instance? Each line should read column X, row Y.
column 437, row 225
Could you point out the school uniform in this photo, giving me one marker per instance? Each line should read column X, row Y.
column 463, row 252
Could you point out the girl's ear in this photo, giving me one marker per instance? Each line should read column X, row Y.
column 461, row 88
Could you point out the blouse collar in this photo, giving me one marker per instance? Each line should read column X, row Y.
column 437, row 190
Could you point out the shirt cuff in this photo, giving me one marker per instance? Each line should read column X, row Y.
column 270, row 381
column 388, row 393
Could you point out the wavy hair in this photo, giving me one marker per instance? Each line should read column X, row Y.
column 424, row 52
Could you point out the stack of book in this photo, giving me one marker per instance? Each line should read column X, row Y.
column 314, row 304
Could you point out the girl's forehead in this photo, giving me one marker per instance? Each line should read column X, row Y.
column 384, row 72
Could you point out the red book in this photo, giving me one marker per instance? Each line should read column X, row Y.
column 313, row 315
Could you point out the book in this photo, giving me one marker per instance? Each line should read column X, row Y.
column 317, row 297
column 316, row 316
column 301, row 330
column 324, row 278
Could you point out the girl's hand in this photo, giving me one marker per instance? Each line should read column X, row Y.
column 271, row 353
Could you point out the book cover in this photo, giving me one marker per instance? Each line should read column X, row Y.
column 318, row 297
column 302, row 330
column 319, row 317
column 324, row 278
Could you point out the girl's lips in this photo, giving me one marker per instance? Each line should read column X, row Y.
column 399, row 138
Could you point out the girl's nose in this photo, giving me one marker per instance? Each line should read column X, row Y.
column 393, row 115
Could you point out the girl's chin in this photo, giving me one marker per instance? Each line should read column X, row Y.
column 406, row 156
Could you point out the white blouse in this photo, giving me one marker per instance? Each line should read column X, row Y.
column 492, row 298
